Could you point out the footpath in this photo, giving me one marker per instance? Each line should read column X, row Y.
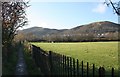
column 21, row 68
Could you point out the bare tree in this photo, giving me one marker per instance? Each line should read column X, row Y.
column 13, row 17
column 115, row 6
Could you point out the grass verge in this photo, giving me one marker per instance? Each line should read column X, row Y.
column 31, row 66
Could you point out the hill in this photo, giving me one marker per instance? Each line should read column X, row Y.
column 39, row 31
column 97, row 30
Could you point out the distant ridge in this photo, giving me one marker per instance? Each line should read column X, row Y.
column 94, row 28
column 39, row 31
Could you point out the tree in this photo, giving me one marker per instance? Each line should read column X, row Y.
column 13, row 17
column 19, row 37
column 115, row 6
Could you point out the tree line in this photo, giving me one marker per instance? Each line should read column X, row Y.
column 108, row 36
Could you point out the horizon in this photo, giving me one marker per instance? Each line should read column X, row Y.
column 67, row 15
column 70, row 28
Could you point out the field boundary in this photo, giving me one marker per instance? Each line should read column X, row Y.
column 56, row 64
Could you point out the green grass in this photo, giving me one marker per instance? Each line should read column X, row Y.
column 98, row 53
column 30, row 62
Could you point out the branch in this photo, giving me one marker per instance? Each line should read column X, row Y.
column 114, row 7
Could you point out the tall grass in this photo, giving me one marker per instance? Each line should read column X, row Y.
column 31, row 66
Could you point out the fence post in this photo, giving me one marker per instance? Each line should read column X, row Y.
column 82, row 68
column 87, row 69
column 60, row 65
column 77, row 67
column 112, row 72
column 70, row 66
column 58, row 62
column 51, row 66
column 74, row 70
column 65, row 65
column 93, row 70
column 101, row 72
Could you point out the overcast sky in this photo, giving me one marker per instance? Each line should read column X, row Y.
column 66, row 15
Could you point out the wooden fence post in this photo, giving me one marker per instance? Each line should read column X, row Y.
column 101, row 72
column 74, row 70
column 112, row 72
column 65, row 66
column 60, row 65
column 51, row 66
column 82, row 68
column 77, row 67
column 58, row 62
column 70, row 66
column 87, row 69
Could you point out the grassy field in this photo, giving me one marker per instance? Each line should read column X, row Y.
column 100, row 53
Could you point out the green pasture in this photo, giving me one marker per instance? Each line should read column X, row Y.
column 100, row 53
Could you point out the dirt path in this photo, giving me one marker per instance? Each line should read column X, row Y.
column 21, row 65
